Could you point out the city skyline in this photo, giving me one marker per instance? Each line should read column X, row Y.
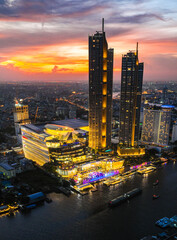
column 48, row 41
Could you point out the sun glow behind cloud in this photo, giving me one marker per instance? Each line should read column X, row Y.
column 49, row 40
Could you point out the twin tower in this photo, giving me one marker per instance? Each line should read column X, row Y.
column 100, row 94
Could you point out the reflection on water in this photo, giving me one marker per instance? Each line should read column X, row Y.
column 88, row 217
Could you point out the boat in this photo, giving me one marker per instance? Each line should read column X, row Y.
column 27, row 207
column 156, row 183
column 133, row 193
column 117, row 201
column 155, row 197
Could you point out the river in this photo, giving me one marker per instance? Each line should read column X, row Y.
column 89, row 218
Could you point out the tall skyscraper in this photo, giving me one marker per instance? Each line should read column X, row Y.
column 130, row 104
column 100, row 90
column 156, row 125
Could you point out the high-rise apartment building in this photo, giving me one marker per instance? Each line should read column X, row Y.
column 156, row 125
column 130, row 104
column 100, row 90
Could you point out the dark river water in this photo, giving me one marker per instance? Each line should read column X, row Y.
column 88, row 217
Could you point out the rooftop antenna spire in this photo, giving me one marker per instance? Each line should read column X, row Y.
column 102, row 24
column 137, row 48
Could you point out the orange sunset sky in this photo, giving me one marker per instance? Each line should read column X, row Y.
column 48, row 40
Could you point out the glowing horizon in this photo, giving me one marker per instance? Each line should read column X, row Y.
column 46, row 41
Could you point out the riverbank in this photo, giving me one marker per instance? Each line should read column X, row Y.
column 39, row 180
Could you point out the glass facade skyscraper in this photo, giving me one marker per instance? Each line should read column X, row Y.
column 131, row 90
column 100, row 91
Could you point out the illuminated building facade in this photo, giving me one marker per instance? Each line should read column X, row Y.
column 174, row 133
column 156, row 125
column 65, row 143
column 55, row 142
column 130, row 104
column 34, row 146
column 21, row 117
column 100, row 91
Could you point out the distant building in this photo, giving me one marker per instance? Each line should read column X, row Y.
column 130, row 103
column 100, row 91
column 174, row 133
column 7, row 170
column 62, row 111
column 21, row 117
column 156, row 125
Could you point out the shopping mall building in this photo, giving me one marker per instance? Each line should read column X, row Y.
column 65, row 143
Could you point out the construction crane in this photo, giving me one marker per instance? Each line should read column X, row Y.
column 36, row 114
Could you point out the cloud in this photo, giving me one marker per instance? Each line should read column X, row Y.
column 138, row 18
column 56, row 69
column 45, row 39
column 35, row 9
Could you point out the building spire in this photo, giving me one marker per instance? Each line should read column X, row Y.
column 137, row 49
column 102, row 24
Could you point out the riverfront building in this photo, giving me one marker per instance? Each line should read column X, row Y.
column 60, row 141
column 130, row 104
column 65, row 143
column 100, row 90
column 156, row 125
